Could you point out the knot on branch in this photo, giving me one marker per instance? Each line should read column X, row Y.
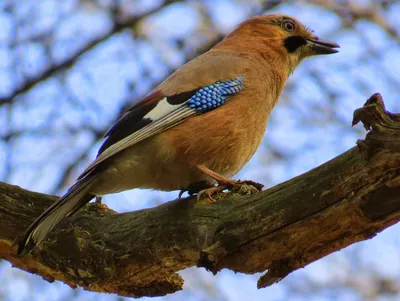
column 383, row 127
column 210, row 257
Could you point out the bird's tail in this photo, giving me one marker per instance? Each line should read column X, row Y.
column 77, row 196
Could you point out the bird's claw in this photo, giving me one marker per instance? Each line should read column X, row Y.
column 181, row 193
column 209, row 192
column 99, row 199
column 245, row 187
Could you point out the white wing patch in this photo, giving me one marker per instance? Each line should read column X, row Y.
column 163, row 108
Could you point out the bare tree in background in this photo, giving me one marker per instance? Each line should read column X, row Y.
column 57, row 99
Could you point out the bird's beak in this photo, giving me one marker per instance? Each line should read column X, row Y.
column 322, row 47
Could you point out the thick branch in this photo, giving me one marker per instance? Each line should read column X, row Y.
column 346, row 200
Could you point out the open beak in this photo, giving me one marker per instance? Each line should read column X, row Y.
column 322, row 47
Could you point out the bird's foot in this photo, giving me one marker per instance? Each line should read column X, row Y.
column 245, row 187
column 209, row 192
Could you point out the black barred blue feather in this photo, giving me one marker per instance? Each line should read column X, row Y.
column 157, row 113
column 212, row 96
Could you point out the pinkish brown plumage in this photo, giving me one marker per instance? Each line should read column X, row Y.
column 198, row 127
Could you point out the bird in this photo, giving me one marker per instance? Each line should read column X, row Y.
column 200, row 126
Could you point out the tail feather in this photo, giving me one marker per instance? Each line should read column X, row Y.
column 77, row 196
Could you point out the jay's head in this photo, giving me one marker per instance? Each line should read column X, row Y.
column 285, row 35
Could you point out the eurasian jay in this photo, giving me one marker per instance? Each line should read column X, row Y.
column 200, row 126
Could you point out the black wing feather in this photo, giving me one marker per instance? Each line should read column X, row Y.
column 134, row 120
column 129, row 123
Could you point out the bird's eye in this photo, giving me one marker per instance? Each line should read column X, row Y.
column 288, row 25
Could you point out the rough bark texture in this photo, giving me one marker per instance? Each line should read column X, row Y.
column 346, row 200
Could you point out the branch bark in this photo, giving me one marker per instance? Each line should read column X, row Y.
column 346, row 200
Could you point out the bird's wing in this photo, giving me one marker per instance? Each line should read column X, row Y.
column 157, row 113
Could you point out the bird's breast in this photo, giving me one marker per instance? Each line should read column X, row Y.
column 223, row 139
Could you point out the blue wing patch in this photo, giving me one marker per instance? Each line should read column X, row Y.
column 212, row 96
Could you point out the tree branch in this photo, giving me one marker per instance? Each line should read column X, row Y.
column 118, row 26
column 282, row 229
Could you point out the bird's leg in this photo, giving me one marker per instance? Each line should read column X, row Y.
column 228, row 183
column 224, row 183
column 221, row 180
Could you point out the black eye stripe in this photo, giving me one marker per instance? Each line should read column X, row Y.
column 293, row 43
